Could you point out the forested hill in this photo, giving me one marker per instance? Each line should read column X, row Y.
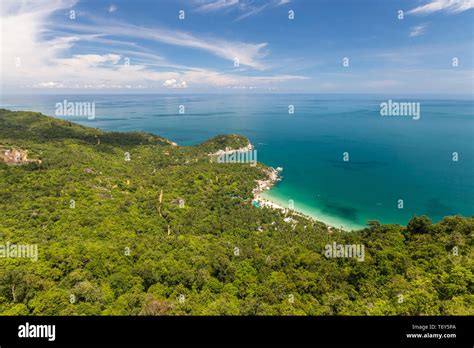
column 129, row 224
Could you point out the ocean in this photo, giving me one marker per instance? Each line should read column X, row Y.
column 343, row 162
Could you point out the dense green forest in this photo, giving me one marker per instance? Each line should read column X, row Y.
column 112, row 239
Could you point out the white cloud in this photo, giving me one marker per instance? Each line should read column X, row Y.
column 418, row 30
column 247, row 8
column 172, row 83
column 252, row 11
column 112, row 8
column 452, row 6
column 50, row 84
column 46, row 62
column 249, row 54
column 217, row 79
column 88, row 60
column 216, row 5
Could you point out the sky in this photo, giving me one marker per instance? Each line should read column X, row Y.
column 230, row 46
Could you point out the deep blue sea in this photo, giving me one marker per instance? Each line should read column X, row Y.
column 390, row 158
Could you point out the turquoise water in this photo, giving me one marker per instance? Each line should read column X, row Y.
column 390, row 158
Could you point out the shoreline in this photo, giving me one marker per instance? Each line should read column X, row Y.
column 262, row 197
column 313, row 214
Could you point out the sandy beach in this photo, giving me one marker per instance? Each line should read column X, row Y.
column 264, row 197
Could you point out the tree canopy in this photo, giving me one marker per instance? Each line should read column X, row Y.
column 112, row 240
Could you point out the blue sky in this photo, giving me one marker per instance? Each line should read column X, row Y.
column 143, row 46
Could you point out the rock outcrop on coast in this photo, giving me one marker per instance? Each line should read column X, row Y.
column 272, row 178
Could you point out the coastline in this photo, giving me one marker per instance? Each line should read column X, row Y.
column 311, row 212
column 264, row 196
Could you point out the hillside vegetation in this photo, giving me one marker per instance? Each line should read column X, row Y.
column 169, row 233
